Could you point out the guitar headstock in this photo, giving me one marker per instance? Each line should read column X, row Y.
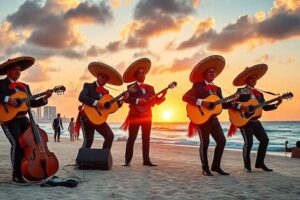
column 59, row 89
column 172, row 85
column 287, row 95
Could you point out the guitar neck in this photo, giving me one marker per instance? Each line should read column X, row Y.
column 30, row 98
column 154, row 96
column 267, row 102
column 225, row 99
column 117, row 98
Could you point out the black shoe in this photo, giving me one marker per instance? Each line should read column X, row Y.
column 149, row 163
column 18, row 179
column 127, row 164
column 219, row 170
column 263, row 167
column 206, row 172
column 247, row 169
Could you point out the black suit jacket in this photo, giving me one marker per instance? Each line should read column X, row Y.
column 137, row 93
column 5, row 91
column 260, row 99
column 198, row 92
column 89, row 95
column 57, row 123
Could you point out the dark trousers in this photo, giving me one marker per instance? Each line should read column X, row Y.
column 13, row 129
column 57, row 134
column 88, row 131
column 212, row 127
column 254, row 128
column 133, row 131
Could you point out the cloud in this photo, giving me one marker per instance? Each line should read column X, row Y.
column 36, row 73
column 279, row 25
column 146, row 53
column 53, row 26
column 183, row 64
column 8, row 37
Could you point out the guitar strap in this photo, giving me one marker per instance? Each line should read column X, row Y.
column 267, row 92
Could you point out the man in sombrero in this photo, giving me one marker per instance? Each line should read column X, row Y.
column 248, row 78
column 202, row 77
column 91, row 94
column 12, row 69
column 136, row 73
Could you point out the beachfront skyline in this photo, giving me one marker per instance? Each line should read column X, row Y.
column 65, row 36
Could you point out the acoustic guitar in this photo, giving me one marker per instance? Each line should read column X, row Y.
column 240, row 118
column 107, row 105
column 200, row 114
column 8, row 112
column 150, row 98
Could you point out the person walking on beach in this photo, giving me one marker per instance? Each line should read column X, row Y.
column 248, row 78
column 15, row 127
column 202, row 77
column 136, row 73
column 71, row 129
column 91, row 94
column 57, row 127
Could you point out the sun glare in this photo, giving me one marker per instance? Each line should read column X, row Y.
column 167, row 115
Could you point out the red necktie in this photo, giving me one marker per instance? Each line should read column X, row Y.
column 102, row 90
column 255, row 92
column 19, row 85
column 211, row 87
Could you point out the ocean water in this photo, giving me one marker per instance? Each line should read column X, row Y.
column 175, row 133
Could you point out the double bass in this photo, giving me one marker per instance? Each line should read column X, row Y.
column 38, row 162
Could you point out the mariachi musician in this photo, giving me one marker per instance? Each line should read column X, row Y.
column 248, row 78
column 15, row 127
column 202, row 77
column 91, row 95
column 139, row 96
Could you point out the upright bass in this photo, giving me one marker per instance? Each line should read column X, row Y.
column 38, row 162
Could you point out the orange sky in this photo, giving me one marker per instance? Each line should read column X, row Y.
column 65, row 37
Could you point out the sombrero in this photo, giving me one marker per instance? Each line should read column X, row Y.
column 24, row 62
column 215, row 61
column 129, row 74
column 97, row 68
column 259, row 70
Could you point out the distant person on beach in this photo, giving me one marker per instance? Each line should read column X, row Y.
column 136, row 74
column 71, row 129
column 202, row 77
column 90, row 95
column 248, row 78
column 15, row 127
column 57, row 127
column 295, row 150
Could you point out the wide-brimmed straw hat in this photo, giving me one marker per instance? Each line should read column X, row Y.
column 259, row 70
column 24, row 62
column 215, row 61
column 97, row 68
column 129, row 74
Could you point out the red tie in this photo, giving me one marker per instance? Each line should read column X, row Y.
column 102, row 90
column 255, row 92
column 211, row 87
column 19, row 85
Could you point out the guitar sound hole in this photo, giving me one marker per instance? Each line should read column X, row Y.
column 19, row 102
column 107, row 105
column 211, row 106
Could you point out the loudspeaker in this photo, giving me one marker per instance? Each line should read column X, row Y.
column 94, row 159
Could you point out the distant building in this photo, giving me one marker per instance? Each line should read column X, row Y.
column 49, row 112
column 39, row 112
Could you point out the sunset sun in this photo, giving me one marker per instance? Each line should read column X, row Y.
column 167, row 115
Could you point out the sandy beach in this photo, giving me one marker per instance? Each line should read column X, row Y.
column 178, row 176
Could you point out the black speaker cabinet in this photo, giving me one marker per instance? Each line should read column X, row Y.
column 94, row 159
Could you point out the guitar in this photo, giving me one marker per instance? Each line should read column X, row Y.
column 99, row 114
column 144, row 107
column 240, row 118
column 8, row 112
column 200, row 114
